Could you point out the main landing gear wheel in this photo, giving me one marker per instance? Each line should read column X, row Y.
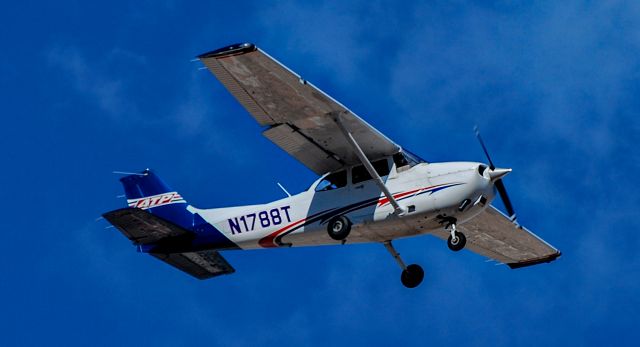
column 339, row 228
column 412, row 276
column 458, row 242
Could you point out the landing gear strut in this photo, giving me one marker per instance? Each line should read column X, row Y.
column 412, row 275
column 456, row 240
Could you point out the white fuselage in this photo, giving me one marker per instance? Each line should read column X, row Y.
column 431, row 193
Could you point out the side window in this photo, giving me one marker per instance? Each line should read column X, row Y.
column 333, row 181
column 382, row 167
column 360, row 174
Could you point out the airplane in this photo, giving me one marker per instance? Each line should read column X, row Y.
column 369, row 190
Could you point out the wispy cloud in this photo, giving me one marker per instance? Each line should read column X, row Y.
column 193, row 111
column 88, row 78
column 567, row 81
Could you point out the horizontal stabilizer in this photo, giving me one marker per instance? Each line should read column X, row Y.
column 201, row 265
column 141, row 226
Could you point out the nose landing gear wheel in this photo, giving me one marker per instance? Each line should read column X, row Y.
column 339, row 228
column 412, row 276
column 457, row 243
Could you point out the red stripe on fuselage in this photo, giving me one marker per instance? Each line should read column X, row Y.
column 385, row 200
column 267, row 241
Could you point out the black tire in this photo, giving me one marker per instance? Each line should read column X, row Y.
column 412, row 276
column 339, row 228
column 459, row 244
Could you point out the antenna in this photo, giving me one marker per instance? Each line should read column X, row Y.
column 128, row 173
column 284, row 190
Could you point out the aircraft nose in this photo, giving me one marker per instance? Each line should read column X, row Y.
column 497, row 173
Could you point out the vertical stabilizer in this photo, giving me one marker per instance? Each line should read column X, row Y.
column 148, row 192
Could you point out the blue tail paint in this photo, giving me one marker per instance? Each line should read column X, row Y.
column 147, row 191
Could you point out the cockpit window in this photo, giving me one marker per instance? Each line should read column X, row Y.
column 400, row 160
column 360, row 174
column 333, row 181
column 405, row 160
column 413, row 159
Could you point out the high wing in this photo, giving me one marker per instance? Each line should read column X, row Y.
column 301, row 119
column 494, row 235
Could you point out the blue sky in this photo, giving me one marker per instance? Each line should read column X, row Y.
column 91, row 88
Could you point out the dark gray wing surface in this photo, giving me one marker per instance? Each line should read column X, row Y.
column 142, row 227
column 494, row 235
column 201, row 265
column 300, row 117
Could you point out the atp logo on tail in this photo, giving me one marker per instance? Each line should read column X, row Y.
column 156, row 200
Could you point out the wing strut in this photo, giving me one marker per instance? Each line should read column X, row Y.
column 398, row 210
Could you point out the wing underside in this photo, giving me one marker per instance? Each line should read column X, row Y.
column 300, row 117
column 494, row 235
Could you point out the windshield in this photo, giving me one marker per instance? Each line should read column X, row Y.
column 405, row 160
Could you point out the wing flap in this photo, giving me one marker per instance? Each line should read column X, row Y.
column 142, row 227
column 305, row 150
column 276, row 96
column 201, row 265
column 494, row 235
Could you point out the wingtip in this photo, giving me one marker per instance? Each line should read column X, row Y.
column 235, row 49
column 546, row 259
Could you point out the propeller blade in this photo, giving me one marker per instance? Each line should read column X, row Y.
column 498, row 174
column 484, row 148
column 505, row 199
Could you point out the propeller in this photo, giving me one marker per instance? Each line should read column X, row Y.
column 496, row 176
